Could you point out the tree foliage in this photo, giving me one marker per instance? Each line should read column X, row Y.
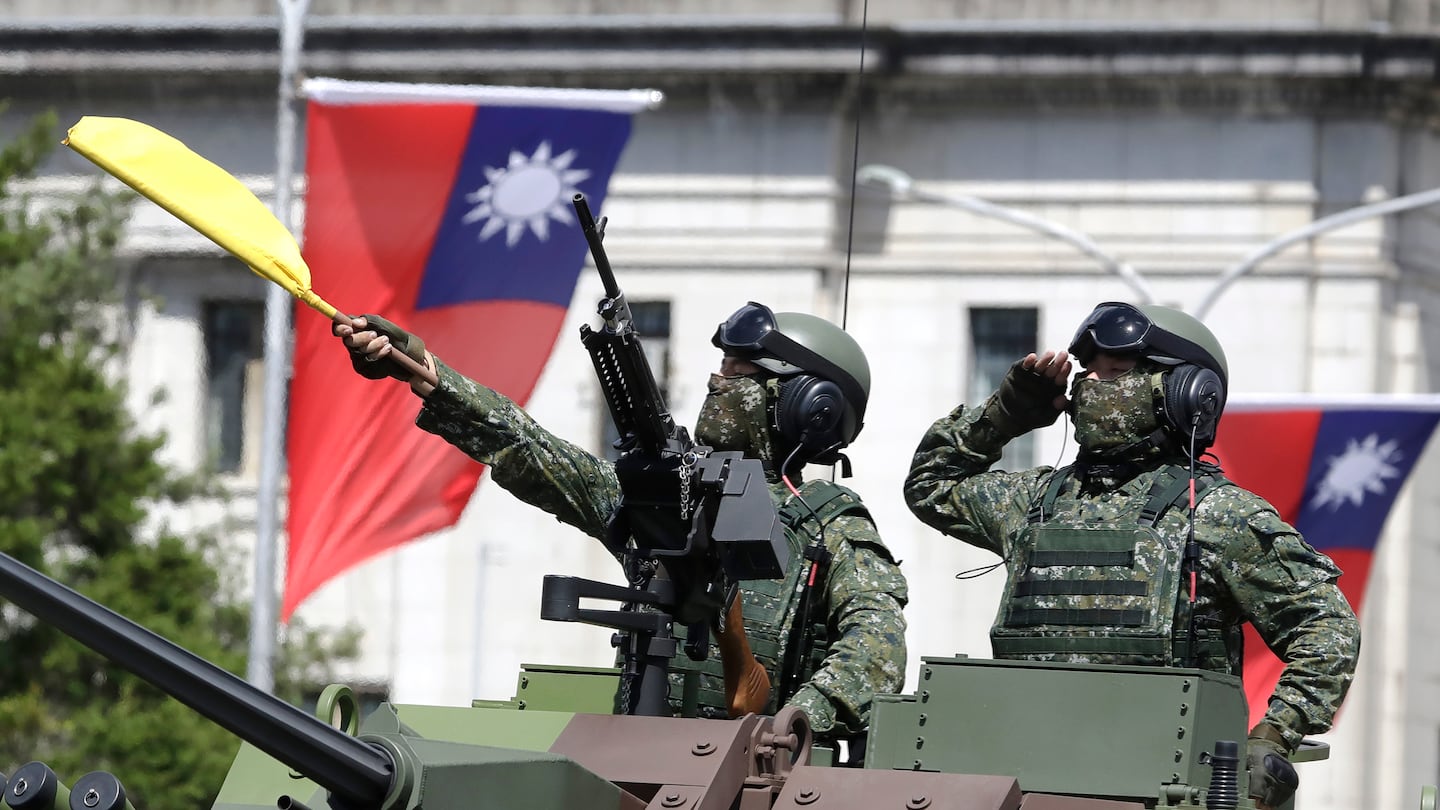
column 78, row 484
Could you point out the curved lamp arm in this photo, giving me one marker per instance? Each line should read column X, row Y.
column 1319, row 226
column 902, row 186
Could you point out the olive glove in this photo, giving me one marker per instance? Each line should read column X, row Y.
column 401, row 340
column 1272, row 778
column 1025, row 401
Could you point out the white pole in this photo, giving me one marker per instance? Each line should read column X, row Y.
column 477, row 638
column 902, row 186
column 1319, row 226
column 260, row 671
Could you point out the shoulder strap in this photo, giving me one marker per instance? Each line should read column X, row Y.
column 1044, row 503
column 1172, row 488
column 828, row 500
column 823, row 501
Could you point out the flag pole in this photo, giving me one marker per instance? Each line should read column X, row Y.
column 260, row 669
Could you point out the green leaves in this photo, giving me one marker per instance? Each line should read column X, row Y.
column 77, row 481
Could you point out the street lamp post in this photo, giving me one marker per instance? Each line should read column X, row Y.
column 902, row 186
column 1319, row 226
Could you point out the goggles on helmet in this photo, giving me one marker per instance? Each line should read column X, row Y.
column 746, row 330
column 1113, row 328
column 752, row 334
column 1119, row 328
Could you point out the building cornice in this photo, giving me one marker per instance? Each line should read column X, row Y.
column 597, row 47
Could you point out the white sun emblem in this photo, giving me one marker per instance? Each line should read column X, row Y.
column 1363, row 467
column 529, row 192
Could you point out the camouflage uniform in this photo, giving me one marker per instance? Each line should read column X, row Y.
column 1253, row 566
column 863, row 595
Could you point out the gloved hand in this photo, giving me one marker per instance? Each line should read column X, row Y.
column 1272, row 778
column 379, row 369
column 1025, row 401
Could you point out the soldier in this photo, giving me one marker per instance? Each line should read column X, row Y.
column 783, row 375
column 1134, row 573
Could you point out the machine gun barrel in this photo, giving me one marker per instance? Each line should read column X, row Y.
column 595, row 237
column 622, row 367
column 355, row 772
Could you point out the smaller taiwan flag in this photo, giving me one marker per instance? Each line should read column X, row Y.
column 1332, row 468
column 447, row 210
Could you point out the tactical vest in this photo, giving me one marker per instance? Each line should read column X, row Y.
column 1103, row 593
column 697, row 688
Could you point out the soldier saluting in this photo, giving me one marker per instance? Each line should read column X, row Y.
column 782, row 375
column 1112, row 559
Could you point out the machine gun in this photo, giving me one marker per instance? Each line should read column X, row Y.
column 692, row 523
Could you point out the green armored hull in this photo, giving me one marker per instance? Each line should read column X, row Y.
column 976, row 734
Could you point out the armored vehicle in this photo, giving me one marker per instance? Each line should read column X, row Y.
column 975, row 734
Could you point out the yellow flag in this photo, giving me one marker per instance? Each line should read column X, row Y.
column 203, row 195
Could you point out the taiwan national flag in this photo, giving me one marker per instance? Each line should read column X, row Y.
column 1332, row 468
column 448, row 211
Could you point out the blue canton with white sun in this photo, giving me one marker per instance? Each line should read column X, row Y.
column 1366, row 467
column 528, row 192
column 1359, row 461
column 521, row 169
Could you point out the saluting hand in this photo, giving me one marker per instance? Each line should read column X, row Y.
column 1055, row 366
column 1032, row 394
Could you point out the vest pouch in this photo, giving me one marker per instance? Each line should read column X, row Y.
column 702, row 683
column 1089, row 594
column 697, row 688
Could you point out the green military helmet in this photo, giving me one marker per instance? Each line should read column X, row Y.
column 1197, row 377
column 1163, row 334
column 821, row 406
column 1191, row 339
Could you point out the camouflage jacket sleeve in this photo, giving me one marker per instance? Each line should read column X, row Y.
column 1287, row 590
column 867, row 593
column 529, row 461
column 951, row 488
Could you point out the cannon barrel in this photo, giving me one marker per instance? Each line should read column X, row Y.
column 352, row 770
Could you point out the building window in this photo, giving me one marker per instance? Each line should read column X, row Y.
column 652, row 323
column 234, row 340
column 999, row 337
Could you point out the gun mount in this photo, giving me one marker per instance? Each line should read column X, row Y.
column 409, row 757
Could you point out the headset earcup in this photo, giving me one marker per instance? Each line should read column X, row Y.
column 1194, row 393
column 811, row 412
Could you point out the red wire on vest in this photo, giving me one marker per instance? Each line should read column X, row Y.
column 1194, row 570
column 814, row 564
